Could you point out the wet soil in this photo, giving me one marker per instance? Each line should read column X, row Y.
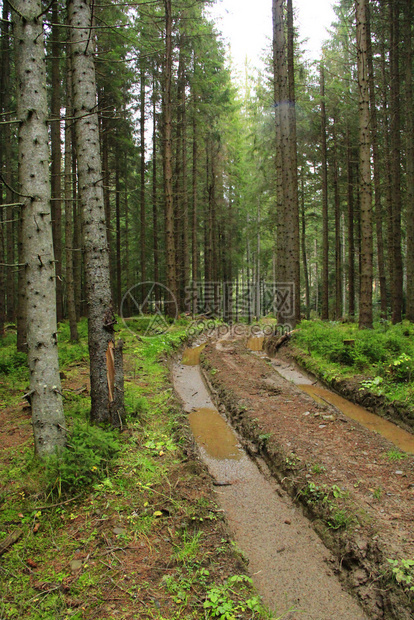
column 290, row 566
column 304, row 441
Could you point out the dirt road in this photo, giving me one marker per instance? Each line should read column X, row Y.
column 344, row 476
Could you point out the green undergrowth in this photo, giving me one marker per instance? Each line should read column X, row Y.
column 123, row 524
column 382, row 357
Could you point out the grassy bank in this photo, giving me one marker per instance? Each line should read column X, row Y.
column 381, row 359
column 124, row 525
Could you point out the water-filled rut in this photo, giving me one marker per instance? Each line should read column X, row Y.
column 288, row 562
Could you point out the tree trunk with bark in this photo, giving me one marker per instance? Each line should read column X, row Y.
column 351, row 239
column 409, row 133
column 377, row 174
column 142, row 239
column 168, row 175
column 395, row 129
column 39, row 265
column 106, row 394
column 56, row 158
column 365, row 303
column 337, row 200
column 70, row 286
column 325, row 220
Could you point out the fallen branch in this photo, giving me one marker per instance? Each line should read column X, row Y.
column 10, row 540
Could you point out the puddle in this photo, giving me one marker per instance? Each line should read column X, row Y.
column 214, row 435
column 287, row 560
column 255, row 343
column 401, row 438
column 191, row 357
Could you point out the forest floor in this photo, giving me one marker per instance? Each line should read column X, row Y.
column 355, row 486
column 145, row 538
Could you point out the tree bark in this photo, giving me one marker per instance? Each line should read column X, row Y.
column 293, row 163
column 338, row 264
column 409, row 133
column 325, row 220
column 118, row 236
column 365, row 303
column 142, row 240
column 288, row 238
column 351, row 239
column 168, row 180
column 70, row 286
column 39, row 266
column 9, row 250
column 154, row 183
column 194, row 220
column 304, row 255
column 101, row 317
column 395, row 128
column 377, row 174
column 56, row 159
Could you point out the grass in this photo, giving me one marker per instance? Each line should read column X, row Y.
column 125, row 523
column 383, row 356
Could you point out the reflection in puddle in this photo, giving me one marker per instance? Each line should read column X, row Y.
column 401, row 438
column 191, row 357
column 255, row 343
column 214, row 435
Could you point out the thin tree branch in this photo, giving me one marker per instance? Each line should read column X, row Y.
column 46, row 9
column 13, row 190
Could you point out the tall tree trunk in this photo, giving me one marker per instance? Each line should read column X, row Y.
column 351, row 240
column 194, row 222
column 185, row 240
column 106, row 395
column 77, row 257
column 143, row 231
column 325, row 221
column 304, row 255
column 338, row 265
column 409, row 133
column 168, row 176
column 2, row 277
column 279, row 70
column 397, row 288
column 285, row 142
column 39, row 267
column 365, row 303
column 154, row 184
column 293, row 163
column 8, row 214
column 118, row 237
column 70, row 286
column 56, row 159
column 377, row 174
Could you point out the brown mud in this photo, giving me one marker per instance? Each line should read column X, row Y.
column 346, row 477
column 291, row 568
column 350, row 389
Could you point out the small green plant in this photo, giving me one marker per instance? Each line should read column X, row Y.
column 226, row 601
column 377, row 493
column 395, row 455
column 85, row 459
column 403, row 573
column 340, row 519
column 401, row 369
column 318, row 469
column 372, row 384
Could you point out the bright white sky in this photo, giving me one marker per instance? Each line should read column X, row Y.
column 247, row 25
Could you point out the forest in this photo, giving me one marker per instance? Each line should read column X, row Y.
column 147, row 184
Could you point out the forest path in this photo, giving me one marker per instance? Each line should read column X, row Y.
column 290, row 566
column 358, row 487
